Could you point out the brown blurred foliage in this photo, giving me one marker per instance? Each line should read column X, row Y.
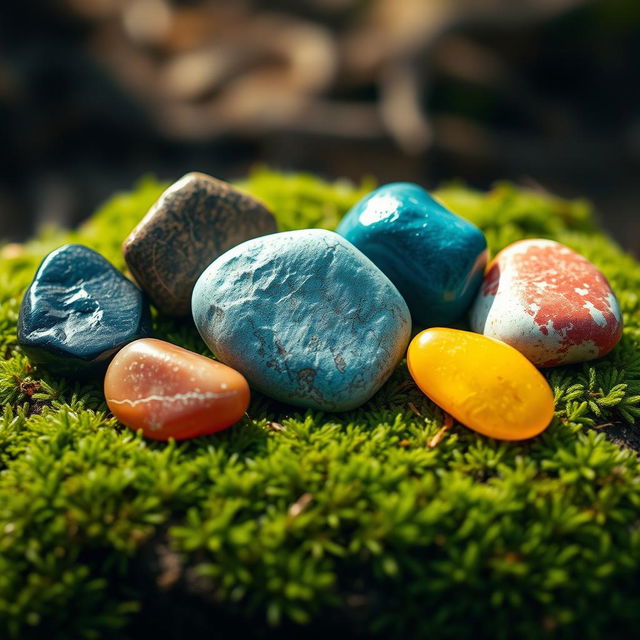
column 94, row 93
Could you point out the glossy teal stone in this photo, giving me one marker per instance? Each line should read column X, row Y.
column 305, row 317
column 435, row 258
column 79, row 311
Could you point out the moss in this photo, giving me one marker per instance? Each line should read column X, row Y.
column 349, row 524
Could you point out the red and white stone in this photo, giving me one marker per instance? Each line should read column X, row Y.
column 548, row 302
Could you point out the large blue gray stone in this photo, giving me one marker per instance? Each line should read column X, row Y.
column 79, row 311
column 305, row 316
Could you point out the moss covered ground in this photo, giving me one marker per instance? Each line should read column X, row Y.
column 301, row 523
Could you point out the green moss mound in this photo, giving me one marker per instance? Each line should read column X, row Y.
column 347, row 524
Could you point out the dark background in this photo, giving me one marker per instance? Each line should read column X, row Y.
column 96, row 93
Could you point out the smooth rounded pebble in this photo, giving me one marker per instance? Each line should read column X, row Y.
column 194, row 221
column 548, row 302
column 483, row 383
column 79, row 311
column 170, row 392
column 435, row 258
column 305, row 316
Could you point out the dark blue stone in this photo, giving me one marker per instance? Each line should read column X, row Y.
column 79, row 311
column 435, row 258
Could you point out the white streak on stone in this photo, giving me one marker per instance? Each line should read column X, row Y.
column 596, row 314
column 178, row 397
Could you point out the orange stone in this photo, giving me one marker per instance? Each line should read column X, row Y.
column 170, row 392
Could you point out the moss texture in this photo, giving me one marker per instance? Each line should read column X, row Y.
column 349, row 524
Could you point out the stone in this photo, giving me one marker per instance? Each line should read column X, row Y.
column 305, row 316
column 435, row 258
column 194, row 221
column 548, row 302
column 170, row 392
column 79, row 311
column 483, row 383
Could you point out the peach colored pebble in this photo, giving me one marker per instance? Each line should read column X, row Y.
column 170, row 392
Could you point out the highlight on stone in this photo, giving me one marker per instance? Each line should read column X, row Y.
column 485, row 384
column 548, row 302
column 170, row 392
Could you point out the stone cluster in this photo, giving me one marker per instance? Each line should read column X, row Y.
column 317, row 319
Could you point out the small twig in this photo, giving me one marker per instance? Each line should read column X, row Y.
column 29, row 387
column 170, row 567
column 414, row 410
column 437, row 439
column 299, row 505
column 276, row 426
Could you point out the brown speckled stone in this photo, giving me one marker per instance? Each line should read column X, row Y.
column 193, row 222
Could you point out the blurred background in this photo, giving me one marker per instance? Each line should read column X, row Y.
column 96, row 93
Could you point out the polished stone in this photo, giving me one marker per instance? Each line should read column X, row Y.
column 170, row 392
column 548, row 302
column 435, row 258
column 305, row 316
column 195, row 220
column 483, row 383
column 79, row 311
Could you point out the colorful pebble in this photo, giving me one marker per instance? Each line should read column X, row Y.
column 305, row 316
column 548, row 302
column 483, row 383
column 194, row 221
column 79, row 311
column 435, row 258
column 170, row 392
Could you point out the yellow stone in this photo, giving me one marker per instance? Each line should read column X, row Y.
column 483, row 383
